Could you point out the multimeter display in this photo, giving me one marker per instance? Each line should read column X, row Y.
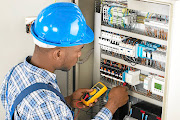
column 99, row 89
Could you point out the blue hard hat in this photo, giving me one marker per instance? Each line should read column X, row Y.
column 63, row 25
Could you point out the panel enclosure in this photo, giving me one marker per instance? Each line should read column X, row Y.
column 132, row 46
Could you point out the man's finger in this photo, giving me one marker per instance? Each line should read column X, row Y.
column 84, row 90
column 90, row 105
column 96, row 100
column 83, row 106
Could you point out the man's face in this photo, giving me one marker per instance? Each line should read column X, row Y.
column 70, row 58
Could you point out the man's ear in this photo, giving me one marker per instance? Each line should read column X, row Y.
column 57, row 54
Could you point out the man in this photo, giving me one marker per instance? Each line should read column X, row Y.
column 30, row 90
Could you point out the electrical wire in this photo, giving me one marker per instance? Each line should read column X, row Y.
column 146, row 117
column 77, row 114
column 30, row 25
column 86, row 57
column 79, row 107
column 142, row 116
column 88, row 112
column 150, row 16
column 147, row 15
column 135, row 42
column 165, row 19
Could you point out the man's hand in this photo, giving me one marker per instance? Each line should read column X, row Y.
column 76, row 96
column 118, row 96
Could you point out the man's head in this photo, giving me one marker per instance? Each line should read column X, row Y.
column 61, row 31
column 67, row 57
column 60, row 58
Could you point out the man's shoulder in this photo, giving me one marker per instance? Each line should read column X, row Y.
column 14, row 69
column 44, row 98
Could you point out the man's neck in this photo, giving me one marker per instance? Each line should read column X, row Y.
column 42, row 61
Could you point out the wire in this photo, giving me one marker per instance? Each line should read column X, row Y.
column 80, row 107
column 110, row 15
column 150, row 16
column 165, row 19
column 135, row 41
column 77, row 114
column 142, row 116
column 86, row 57
column 135, row 88
column 77, row 105
column 130, row 112
column 147, row 15
column 146, row 117
column 128, row 40
column 30, row 25
column 87, row 112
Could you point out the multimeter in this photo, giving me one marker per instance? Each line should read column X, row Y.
column 98, row 89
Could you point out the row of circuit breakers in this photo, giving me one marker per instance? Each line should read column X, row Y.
column 132, row 47
column 125, row 74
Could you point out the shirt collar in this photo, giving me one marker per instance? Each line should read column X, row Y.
column 39, row 71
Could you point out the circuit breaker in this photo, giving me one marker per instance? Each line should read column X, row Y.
column 131, row 43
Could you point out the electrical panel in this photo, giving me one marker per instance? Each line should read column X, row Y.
column 131, row 50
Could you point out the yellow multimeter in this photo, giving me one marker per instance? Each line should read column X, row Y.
column 99, row 88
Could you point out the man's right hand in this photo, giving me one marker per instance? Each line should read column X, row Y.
column 118, row 96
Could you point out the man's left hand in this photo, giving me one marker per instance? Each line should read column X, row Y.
column 76, row 96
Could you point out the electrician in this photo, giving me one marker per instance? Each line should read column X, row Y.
column 30, row 90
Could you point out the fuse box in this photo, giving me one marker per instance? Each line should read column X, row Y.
column 131, row 42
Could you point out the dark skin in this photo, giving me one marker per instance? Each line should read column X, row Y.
column 64, row 58
column 60, row 59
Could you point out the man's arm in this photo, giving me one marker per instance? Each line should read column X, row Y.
column 51, row 110
column 117, row 97
column 103, row 114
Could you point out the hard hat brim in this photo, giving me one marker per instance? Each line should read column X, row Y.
column 87, row 38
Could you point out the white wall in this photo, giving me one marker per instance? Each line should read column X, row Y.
column 172, row 111
column 15, row 44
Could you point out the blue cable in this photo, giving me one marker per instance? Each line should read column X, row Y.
column 107, row 94
column 142, row 116
column 130, row 112
column 148, row 15
column 146, row 117
column 110, row 15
